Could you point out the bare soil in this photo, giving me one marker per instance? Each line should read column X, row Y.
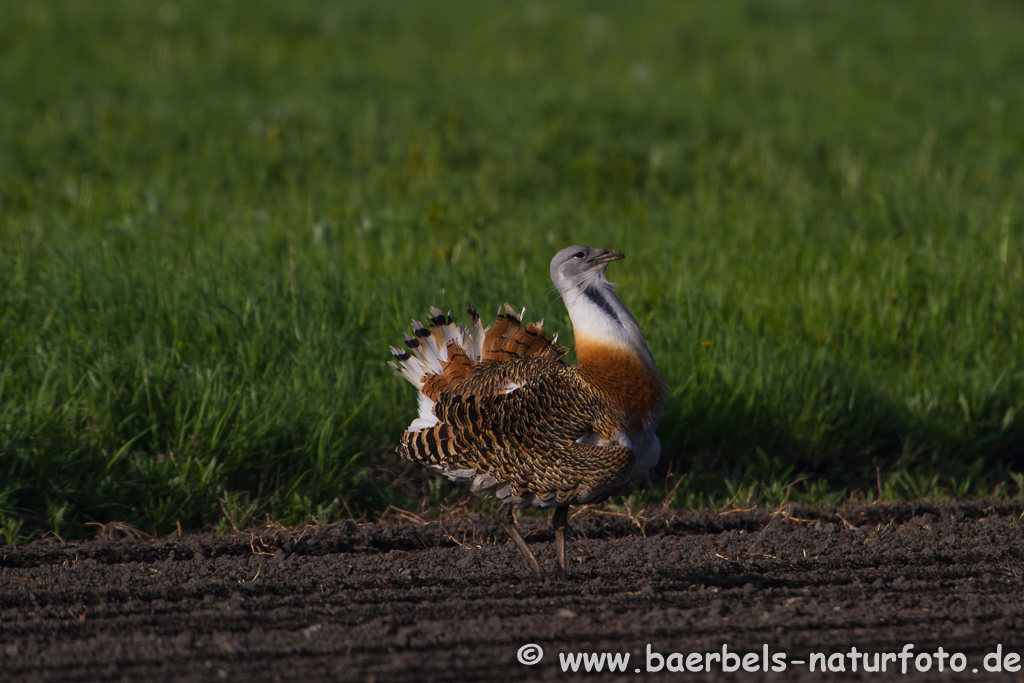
column 451, row 600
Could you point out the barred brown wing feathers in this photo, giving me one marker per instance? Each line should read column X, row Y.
column 454, row 371
column 440, row 358
column 582, row 473
column 504, row 329
column 525, row 439
column 480, row 414
column 574, row 473
column 548, row 407
column 438, row 446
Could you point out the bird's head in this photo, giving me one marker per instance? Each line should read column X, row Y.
column 578, row 267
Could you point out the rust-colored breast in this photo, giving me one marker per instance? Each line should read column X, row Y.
column 628, row 382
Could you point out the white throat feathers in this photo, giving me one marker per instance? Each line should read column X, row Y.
column 598, row 315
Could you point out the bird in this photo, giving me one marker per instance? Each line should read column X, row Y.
column 501, row 411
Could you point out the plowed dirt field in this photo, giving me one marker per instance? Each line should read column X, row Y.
column 451, row 600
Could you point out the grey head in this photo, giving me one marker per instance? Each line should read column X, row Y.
column 578, row 268
column 579, row 274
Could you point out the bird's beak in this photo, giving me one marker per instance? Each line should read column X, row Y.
column 606, row 256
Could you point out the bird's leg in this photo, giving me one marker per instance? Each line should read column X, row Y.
column 506, row 517
column 560, row 523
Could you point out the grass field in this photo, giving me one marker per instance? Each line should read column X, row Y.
column 214, row 218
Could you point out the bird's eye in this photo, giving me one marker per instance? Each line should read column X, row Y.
column 578, row 254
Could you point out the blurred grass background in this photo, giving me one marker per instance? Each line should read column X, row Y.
column 214, row 218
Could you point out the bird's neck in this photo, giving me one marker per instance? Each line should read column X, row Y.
column 600, row 317
column 613, row 355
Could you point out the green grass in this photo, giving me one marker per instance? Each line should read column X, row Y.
column 215, row 218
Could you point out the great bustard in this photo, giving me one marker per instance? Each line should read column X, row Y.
column 500, row 411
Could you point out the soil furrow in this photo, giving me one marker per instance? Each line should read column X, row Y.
column 403, row 602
